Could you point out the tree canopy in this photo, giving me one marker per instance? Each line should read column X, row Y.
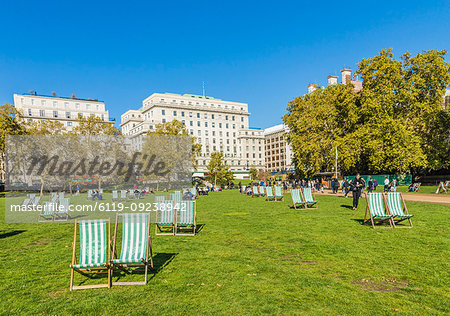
column 219, row 172
column 395, row 124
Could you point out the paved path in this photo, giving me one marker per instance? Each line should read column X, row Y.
column 419, row 197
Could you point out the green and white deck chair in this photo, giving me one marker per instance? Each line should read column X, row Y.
column 194, row 191
column 61, row 195
column 100, row 191
column 160, row 198
column 26, row 202
column 176, row 197
column 375, row 209
column 35, row 201
column 308, row 198
column 278, row 193
column 89, row 195
column 270, row 196
column 243, row 189
column 95, row 246
column 115, row 195
column 297, row 199
column 136, row 247
column 255, row 191
column 53, row 197
column 123, row 195
column 165, row 218
column 397, row 208
column 62, row 211
column 186, row 218
column 262, row 190
column 48, row 212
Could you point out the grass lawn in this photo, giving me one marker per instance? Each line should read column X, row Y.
column 250, row 257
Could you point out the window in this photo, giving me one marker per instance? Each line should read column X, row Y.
column 162, row 100
column 190, row 114
column 174, row 112
column 184, row 122
column 21, row 101
column 232, row 118
column 66, row 104
column 69, row 123
column 206, row 124
column 205, row 116
column 242, row 119
column 220, row 125
column 103, row 117
column 182, row 114
column 191, row 123
column 226, row 117
column 198, row 123
column 55, row 104
column 213, row 124
column 212, row 116
column 226, row 125
column 163, row 120
column 29, row 112
column 43, row 102
column 32, row 101
column 198, row 115
column 174, row 101
column 163, row 112
column 88, row 106
column 68, row 115
column 96, row 106
column 199, row 133
column 41, row 112
column 55, row 113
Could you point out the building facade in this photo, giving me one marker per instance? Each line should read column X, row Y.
column 278, row 152
column 216, row 124
column 64, row 110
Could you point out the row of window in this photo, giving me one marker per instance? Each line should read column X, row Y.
column 56, row 114
column 55, row 104
column 197, row 103
column 198, row 115
column 232, row 163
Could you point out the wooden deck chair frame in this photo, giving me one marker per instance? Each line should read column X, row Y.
column 309, row 204
column 194, row 227
column 123, row 266
column 371, row 219
column 405, row 211
column 162, row 229
column 115, row 195
column 302, row 202
column 87, row 272
column 62, row 216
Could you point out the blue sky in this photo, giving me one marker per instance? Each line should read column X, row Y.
column 260, row 52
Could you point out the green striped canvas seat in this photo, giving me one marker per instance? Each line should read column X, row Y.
column 243, row 188
column 89, row 194
column 115, row 195
column 35, row 201
column 160, row 198
column 61, row 195
column 194, row 191
column 123, row 194
column 307, row 193
column 376, row 206
column 176, row 197
column 296, row 198
column 134, row 238
column 278, row 193
column 63, row 208
column 165, row 213
column 270, row 194
column 255, row 191
column 261, row 190
column 49, row 208
column 93, row 244
column 53, row 197
column 185, row 215
column 395, row 205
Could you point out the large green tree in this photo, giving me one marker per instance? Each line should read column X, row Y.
column 394, row 124
column 219, row 172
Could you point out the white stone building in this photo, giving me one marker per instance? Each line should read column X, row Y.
column 278, row 152
column 218, row 125
column 62, row 109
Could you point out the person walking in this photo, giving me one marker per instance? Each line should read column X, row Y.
column 346, row 186
column 370, row 185
column 357, row 185
column 394, row 185
column 386, row 184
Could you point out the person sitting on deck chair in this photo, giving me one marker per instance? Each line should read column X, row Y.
column 188, row 195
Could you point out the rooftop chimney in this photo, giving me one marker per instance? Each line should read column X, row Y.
column 332, row 79
column 312, row 87
column 346, row 75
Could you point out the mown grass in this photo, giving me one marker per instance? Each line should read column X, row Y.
column 250, row 257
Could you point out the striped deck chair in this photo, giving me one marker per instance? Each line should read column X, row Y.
column 176, row 197
column 165, row 218
column 62, row 211
column 243, row 189
column 262, row 190
column 95, row 246
column 123, row 195
column 35, row 202
column 115, row 195
column 269, row 196
column 26, row 202
column 186, row 218
column 397, row 208
column 375, row 209
column 89, row 195
column 160, row 198
column 255, row 191
column 194, row 191
column 48, row 212
column 136, row 248
column 308, row 198
column 53, row 197
column 61, row 195
column 278, row 193
column 297, row 199
column 100, row 191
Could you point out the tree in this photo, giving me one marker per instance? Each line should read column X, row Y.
column 253, row 172
column 94, row 125
column 395, row 124
column 10, row 124
column 176, row 127
column 218, row 171
column 48, row 127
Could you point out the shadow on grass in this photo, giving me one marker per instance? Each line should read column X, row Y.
column 160, row 261
column 199, row 228
column 10, row 234
column 347, row 206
